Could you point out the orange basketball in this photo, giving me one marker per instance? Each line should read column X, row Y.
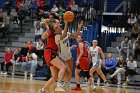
column 68, row 16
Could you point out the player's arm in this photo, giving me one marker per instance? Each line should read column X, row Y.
column 102, row 55
column 81, row 53
column 45, row 35
column 78, row 30
column 89, row 53
column 64, row 34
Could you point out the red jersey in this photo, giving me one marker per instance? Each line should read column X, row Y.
column 40, row 3
column 85, row 52
column 51, row 41
column 8, row 57
column 84, row 60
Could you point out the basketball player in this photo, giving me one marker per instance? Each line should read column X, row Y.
column 65, row 53
column 57, row 67
column 97, row 54
column 82, row 63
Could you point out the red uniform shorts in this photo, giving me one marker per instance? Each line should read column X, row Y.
column 84, row 63
column 49, row 54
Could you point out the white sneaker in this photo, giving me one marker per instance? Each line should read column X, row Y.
column 127, row 79
column 31, row 75
column 119, row 83
column 106, row 84
column 25, row 74
column 41, row 91
column 1, row 73
column 125, row 84
column 59, row 87
column 93, row 86
column 98, row 81
column 5, row 73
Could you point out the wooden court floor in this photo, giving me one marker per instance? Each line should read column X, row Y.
column 20, row 85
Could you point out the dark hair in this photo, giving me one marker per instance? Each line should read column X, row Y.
column 81, row 37
column 126, row 37
column 31, row 51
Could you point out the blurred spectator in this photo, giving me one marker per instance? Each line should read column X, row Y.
column 30, row 64
column 54, row 9
column 2, row 25
column 7, row 5
column 138, row 19
column 17, row 57
column 136, row 47
column 39, row 49
column 74, row 7
column 131, row 20
column 40, row 4
column 8, row 56
column 110, row 65
column 16, row 60
column 24, row 51
column 38, row 32
column 33, row 5
column 131, row 68
column 60, row 10
column 18, row 4
column 135, row 31
column 61, row 21
column 30, row 45
column 26, row 4
column 8, row 18
column 120, row 69
column 59, row 2
column 46, row 5
column 20, row 15
column 125, row 47
column 1, row 20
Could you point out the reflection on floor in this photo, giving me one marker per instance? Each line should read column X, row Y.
column 21, row 85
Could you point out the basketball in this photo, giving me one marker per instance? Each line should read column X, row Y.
column 68, row 16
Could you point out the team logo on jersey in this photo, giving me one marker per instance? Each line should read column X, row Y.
column 93, row 53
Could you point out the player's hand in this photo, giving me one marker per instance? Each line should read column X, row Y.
column 77, row 62
column 73, row 46
column 66, row 22
column 80, row 24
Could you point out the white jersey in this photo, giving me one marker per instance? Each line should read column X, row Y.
column 96, row 60
column 63, row 47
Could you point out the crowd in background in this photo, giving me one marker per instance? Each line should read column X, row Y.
column 32, row 51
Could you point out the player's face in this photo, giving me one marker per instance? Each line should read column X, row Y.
column 57, row 29
column 94, row 43
column 79, row 39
